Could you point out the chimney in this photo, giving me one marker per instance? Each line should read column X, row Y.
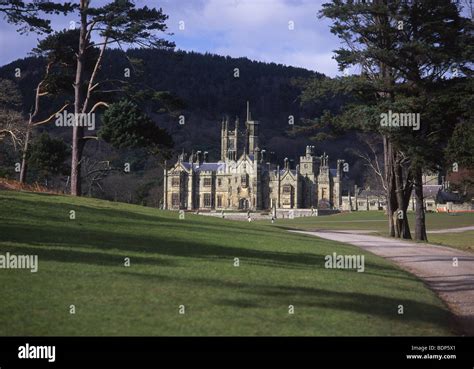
column 199, row 157
column 223, row 126
column 206, row 156
column 257, row 155
column 340, row 163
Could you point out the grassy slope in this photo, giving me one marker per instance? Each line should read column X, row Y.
column 190, row 262
column 377, row 221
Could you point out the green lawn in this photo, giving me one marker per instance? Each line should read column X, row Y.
column 190, row 262
column 463, row 241
column 377, row 221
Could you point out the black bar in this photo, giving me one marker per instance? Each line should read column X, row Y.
column 232, row 352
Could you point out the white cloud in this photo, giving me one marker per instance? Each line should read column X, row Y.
column 256, row 29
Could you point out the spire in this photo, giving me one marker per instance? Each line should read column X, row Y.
column 324, row 160
column 246, row 142
column 248, row 111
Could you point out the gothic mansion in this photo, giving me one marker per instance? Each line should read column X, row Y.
column 244, row 179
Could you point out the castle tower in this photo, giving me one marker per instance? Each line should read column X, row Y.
column 229, row 140
column 308, row 171
column 308, row 163
column 224, row 139
column 252, row 132
column 236, row 139
column 337, row 193
column 324, row 183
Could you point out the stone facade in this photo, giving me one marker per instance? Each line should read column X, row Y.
column 244, row 178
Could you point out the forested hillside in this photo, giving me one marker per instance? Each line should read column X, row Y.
column 207, row 88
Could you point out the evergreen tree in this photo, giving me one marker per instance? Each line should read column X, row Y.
column 404, row 51
column 29, row 15
column 47, row 157
column 124, row 125
column 117, row 22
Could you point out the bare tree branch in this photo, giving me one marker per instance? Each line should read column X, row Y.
column 47, row 120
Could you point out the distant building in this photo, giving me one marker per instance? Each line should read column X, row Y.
column 245, row 179
column 364, row 200
column 432, row 178
column 436, row 197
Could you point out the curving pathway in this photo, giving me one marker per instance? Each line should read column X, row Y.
column 431, row 263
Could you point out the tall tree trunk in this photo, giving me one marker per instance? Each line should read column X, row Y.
column 420, row 225
column 402, row 226
column 24, row 164
column 78, row 132
column 390, row 185
column 381, row 21
column 77, row 149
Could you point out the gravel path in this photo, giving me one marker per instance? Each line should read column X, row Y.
column 433, row 264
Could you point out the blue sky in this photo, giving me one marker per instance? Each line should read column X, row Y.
column 256, row 29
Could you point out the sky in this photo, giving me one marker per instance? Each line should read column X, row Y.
column 256, row 29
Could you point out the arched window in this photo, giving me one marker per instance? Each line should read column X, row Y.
column 175, row 199
column 287, row 189
column 175, row 181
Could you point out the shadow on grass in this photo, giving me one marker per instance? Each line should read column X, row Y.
column 40, row 238
column 280, row 296
column 59, row 211
column 80, row 256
